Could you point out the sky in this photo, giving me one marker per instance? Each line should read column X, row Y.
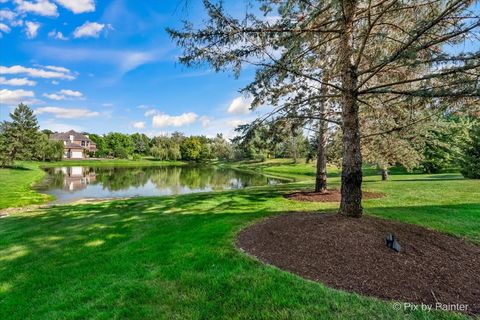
column 103, row 66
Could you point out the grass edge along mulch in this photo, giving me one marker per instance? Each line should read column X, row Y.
column 332, row 195
column 350, row 254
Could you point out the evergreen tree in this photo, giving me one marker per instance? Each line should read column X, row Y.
column 20, row 136
column 367, row 41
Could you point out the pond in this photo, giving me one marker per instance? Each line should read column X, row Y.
column 69, row 184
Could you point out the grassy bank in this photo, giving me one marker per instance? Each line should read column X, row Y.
column 16, row 185
column 174, row 257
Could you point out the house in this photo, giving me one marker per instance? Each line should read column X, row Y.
column 76, row 145
column 76, row 178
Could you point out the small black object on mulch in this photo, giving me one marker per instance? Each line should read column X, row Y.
column 351, row 254
column 392, row 242
column 327, row 196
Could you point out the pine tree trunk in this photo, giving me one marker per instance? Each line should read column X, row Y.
column 384, row 174
column 321, row 173
column 293, row 144
column 351, row 202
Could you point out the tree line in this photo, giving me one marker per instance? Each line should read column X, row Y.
column 450, row 141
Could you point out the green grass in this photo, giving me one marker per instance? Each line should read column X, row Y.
column 174, row 257
column 16, row 185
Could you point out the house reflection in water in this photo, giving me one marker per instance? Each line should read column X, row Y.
column 76, row 178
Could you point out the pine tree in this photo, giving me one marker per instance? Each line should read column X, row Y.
column 366, row 42
column 20, row 135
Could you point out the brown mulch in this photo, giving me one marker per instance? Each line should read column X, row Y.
column 327, row 196
column 350, row 254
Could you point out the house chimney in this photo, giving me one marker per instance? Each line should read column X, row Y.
column 71, row 138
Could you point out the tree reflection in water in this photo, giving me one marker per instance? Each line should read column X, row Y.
column 107, row 182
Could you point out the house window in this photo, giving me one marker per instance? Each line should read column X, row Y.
column 83, row 143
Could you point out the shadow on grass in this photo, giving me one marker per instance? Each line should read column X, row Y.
column 435, row 177
column 15, row 167
column 174, row 255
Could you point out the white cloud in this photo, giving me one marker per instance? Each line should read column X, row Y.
column 17, row 82
column 55, row 82
column 139, row 125
column 6, row 14
column 57, row 69
column 31, row 29
column 107, row 104
column 89, row 29
column 142, row 106
column 59, row 127
column 165, row 120
column 67, row 113
column 4, row 28
column 14, row 97
column 64, row 94
column 151, row 112
column 17, row 23
column 124, row 60
column 71, row 93
column 37, row 72
column 54, row 96
column 78, row 6
column 205, row 121
column 235, row 123
column 40, row 7
column 240, row 105
column 57, row 35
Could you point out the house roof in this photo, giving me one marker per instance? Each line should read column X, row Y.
column 70, row 145
column 65, row 136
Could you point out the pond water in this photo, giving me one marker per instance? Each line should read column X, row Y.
column 69, row 184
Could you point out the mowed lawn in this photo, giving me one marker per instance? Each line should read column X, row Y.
column 174, row 257
column 16, row 185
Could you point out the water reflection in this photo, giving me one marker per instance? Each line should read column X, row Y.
column 73, row 183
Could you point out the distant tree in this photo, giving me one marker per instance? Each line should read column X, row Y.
column 102, row 150
column 159, row 153
column 48, row 150
column 206, row 149
column 165, row 148
column 445, row 142
column 118, row 144
column 20, row 136
column 221, row 148
column 191, row 148
column 177, row 137
column 121, row 152
column 255, row 142
column 471, row 159
column 140, row 143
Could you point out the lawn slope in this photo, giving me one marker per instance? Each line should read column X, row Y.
column 16, row 185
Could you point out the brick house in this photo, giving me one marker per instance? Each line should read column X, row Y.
column 76, row 145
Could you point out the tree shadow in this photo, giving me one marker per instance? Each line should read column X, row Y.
column 104, row 253
column 16, row 167
column 434, row 177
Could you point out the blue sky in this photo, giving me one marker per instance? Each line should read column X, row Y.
column 102, row 66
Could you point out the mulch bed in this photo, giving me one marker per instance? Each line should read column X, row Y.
column 350, row 254
column 327, row 196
